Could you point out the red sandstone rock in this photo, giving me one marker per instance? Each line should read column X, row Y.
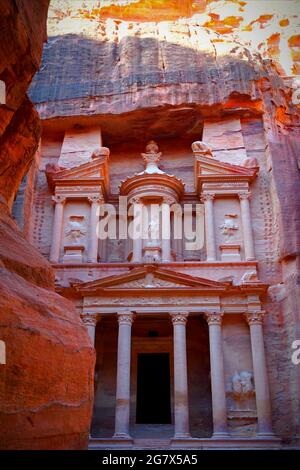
column 46, row 389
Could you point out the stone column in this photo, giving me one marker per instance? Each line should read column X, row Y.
column 263, row 401
column 208, row 199
column 182, row 427
column 125, row 320
column 219, row 411
column 94, row 219
column 247, row 227
column 166, row 230
column 90, row 321
column 137, row 252
column 57, row 228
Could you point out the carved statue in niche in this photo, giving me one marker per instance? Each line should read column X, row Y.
column 229, row 227
column 116, row 250
column 153, row 230
column 75, row 230
column 202, row 148
column 242, row 389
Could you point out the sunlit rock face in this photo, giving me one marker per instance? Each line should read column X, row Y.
column 265, row 27
column 46, row 383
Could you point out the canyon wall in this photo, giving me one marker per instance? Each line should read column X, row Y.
column 46, row 384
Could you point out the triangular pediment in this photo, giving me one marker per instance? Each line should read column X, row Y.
column 208, row 166
column 150, row 277
column 93, row 169
column 94, row 172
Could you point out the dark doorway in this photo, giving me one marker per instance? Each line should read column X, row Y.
column 153, row 404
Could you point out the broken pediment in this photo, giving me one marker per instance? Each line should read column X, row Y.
column 94, row 172
column 210, row 170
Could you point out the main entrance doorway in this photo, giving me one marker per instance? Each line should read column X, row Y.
column 153, row 404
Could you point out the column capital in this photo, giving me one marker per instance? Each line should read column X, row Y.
column 254, row 318
column 207, row 197
column 89, row 319
column 243, row 195
column 59, row 199
column 179, row 318
column 169, row 200
column 96, row 199
column 125, row 317
column 135, row 200
column 214, row 318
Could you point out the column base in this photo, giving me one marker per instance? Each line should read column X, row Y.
column 122, row 436
column 221, row 435
column 182, row 435
column 266, row 435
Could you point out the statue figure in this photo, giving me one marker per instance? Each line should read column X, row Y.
column 202, row 148
column 75, row 230
column 229, row 227
column 242, row 384
column 153, row 233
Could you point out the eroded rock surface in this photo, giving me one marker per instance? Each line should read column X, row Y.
column 46, row 384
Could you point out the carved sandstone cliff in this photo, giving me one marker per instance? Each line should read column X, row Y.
column 46, row 384
column 119, row 67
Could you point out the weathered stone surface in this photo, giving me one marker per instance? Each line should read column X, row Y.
column 219, row 74
column 22, row 33
column 46, row 383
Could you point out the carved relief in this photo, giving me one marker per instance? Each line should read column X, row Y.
column 100, row 152
column 203, row 148
column 75, row 230
column 242, row 385
column 89, row 320
column 249, row 276
column 229, row 227
column 179, row 318
column 241, row 395
column 214, row 318
column 129, row 301
column 149, row 282
column 125, row 318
